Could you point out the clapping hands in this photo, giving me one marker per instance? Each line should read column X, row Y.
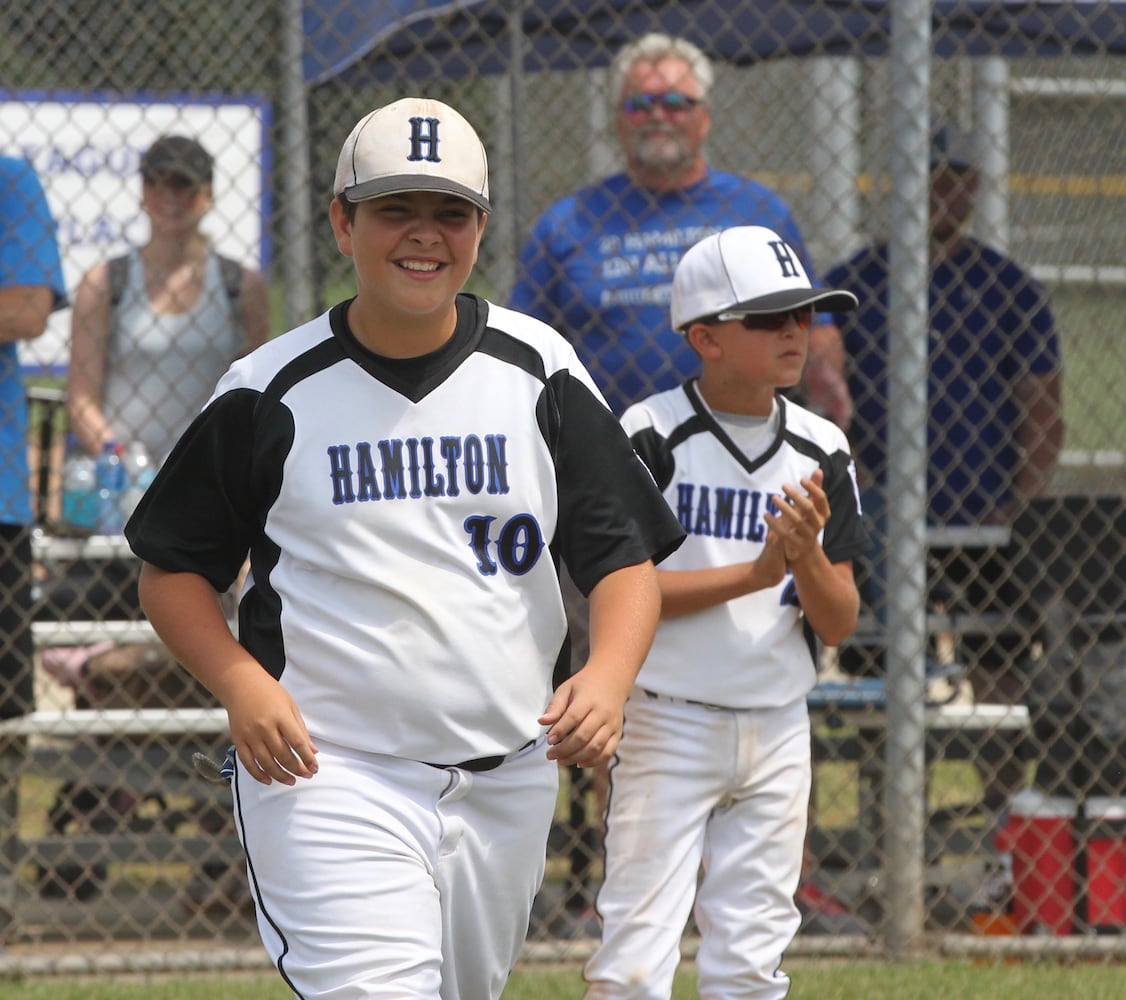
column 801, row 516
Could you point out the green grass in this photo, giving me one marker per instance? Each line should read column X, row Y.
column 812, row 980
column 1088, row 320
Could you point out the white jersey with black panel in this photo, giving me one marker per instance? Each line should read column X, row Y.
column 754, row 651
column 404, row 519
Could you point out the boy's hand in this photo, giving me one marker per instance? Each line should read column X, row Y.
column 770, row 566
column 586, row 719
column 267, row 729
column 800, row 517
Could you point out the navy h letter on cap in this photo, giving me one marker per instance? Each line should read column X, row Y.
column 413, row 145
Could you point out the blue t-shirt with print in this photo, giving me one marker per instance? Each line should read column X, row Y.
column 599, row 263
column 991, row 326
column 29, row 255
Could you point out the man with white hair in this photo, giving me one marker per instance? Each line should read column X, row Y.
column 599, row 262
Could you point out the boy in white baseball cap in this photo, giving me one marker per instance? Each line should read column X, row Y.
column 405, row 471
column 749, row 270
column 714, row 768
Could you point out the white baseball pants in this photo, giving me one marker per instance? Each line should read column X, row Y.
column 381, row 877
column 707, row 805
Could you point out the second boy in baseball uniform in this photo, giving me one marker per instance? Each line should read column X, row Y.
column 713, row 770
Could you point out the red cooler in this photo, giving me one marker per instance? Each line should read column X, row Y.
column 1106, row 864
column 1039, row 837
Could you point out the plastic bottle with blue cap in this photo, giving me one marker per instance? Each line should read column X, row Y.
column 112, row 481
column 80, row 488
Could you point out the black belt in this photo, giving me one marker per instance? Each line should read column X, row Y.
column 687, row 701
column 478, row 764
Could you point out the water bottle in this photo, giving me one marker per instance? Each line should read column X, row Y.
column 139, row 474
column 80, row 488
column 139, row 467
column 111, row 484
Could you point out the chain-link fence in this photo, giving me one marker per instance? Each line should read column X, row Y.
column 993, row 799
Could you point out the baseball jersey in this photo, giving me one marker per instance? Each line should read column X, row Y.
column 599, row 265
column 404, row 519
column 990, row 327
column 755, row 651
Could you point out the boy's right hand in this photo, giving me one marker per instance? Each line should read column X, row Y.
column 802, row 513
column 770, row 566
column 267, row 729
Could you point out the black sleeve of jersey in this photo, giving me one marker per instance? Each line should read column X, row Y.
column 656, row 454
column 200, row 514
column 611, row 514
column 845, row 535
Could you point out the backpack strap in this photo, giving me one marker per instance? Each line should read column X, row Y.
column 230, row 269
column 118, row 275
column 232, row 281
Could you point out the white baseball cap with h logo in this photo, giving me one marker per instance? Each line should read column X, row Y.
column 414, row 144
column 746, row 269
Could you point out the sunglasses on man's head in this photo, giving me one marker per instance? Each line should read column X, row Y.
column 802, row 315
column 673, row 102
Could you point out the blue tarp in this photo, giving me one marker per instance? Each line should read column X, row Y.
column 363, row 41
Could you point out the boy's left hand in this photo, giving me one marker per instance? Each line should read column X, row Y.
column 801, row 516
column 585, row 719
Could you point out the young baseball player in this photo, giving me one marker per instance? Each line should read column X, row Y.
column 714, row 768
column 405, row 471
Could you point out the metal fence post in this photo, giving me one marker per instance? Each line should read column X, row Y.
column 906, row 484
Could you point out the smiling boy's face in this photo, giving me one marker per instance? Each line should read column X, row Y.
column 412, row 254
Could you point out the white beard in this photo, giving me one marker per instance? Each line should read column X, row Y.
column 661, row 148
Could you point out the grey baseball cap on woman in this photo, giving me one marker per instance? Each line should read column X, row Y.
column 178, row 156
column 414, row 144
column 746, row 269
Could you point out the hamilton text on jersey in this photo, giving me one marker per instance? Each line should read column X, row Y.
column 731, row 514
column 419, row 467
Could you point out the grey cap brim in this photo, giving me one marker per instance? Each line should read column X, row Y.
column 405, row 183
column 833, row 301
